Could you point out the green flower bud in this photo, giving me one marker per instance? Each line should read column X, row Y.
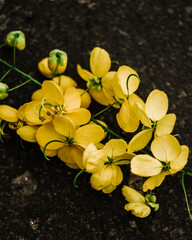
column 94, row 83
column 57, row 61
column 3, row 90
column 17, row 39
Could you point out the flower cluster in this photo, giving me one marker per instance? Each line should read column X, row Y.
column 58, row 119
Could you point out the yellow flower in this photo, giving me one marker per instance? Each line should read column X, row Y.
column 125, row 83
column 55, row 103
column 154, row 119
column 18, row 122
column 103, row 164
column 169, row 158
column 137, row 203
column 61, row 135
column 99, row 80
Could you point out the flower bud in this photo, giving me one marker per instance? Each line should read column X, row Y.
column 57, row 61
column 17, row 39
column 3, row 90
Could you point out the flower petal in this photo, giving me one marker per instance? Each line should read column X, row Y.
column 64, row 82
column 154, row 181
column 100, row 62
column 8, row 113
column 140, row 140
column 108, row 189
column 179, row 163
column 98, row 96
column 141, row 115
column 72, row 99
column 131, row 195
column 38, row 95
column 115, row 147
column 84, row 74
column 165, row 148
column 79, row 116
column 27, row 133
column 145, row 166
column 85, row 98
column 44, row 69
column 166, row 124
column 64, row 126
column 138, row 209
column 156, row 105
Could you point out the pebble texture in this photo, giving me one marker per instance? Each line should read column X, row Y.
column 37, row 198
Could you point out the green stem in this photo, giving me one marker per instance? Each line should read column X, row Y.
column 19, row 71
column 106, row 129
column 2, row 45
column 19, row 85
column 115, row 62
column 85, row 91
column 186, row 172
column 5, row 74
column 49, row 104
column 105, row 109
column 186, row 199
column 127, row 83
column 55, row 71
column 120, row 160
column 75, row 179
column 44, row 149
column 59, row 80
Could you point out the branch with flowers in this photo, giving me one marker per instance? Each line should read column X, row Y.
column 58, row 119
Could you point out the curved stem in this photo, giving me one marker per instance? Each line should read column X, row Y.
column 85, row 91
column 19, row 85
column 120, row 160
column 105, row 109
column 127, row 83
column 75, row 179
column 115, row 62
column 5, row 74
column 55, row 71
column 44, row 149
column 19, row 71
column 2, row 45
column 185, row 194
column 106, row 129
column 186, row 172
column 49, row 104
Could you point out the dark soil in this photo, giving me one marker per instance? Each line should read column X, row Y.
column 37, row 197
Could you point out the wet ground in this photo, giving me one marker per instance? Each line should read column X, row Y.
column 37, row 197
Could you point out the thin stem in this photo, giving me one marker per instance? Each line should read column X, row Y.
column 44, row 149
column 115, row 62
column 2, row 45
column 186, row 199
column 186, row 172
column 49, row 104
column 127, row 83
column 55, row 70
column 85, row 91
column 106, row 129
column 105, row 109
column 120, row 160
column 75, row 179
column 5, row 74
column 19, row 85
column 59, row 80
column 19, row 71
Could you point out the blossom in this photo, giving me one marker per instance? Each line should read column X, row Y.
column 103, row 164
column 154, row 119
column 169, row 158
column 61, row 135
column 139, row 205
column 125, row 83
column 99, row 80
column 17, row 121
column 55, row 103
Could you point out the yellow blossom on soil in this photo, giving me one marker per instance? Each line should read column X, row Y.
column 169, row 158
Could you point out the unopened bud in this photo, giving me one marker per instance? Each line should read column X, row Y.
column 17, row 39
column 3, row 90
column 57, row 61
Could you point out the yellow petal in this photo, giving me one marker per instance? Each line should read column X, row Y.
column 79, row 116
column 156, row 105
column 64, row 154
column 108, row 189
column 102, row 178
column 64, row 82
column 21, row 113
column 154, row 181
column 166, row 124
column 118, row 91
column 84, row 74
column 126, row 118
column 49, row 153
column 72, row 165
column 64, row 126
column 105, row 132
column 115, row 147
column 98, row 96
column 38, row 95
column 27, row 133
column 145, row 166
column 117, row 175
column 140, row 140
column 138, row 209
column 85, row 98
column 72, row 99
column 8, row 113
column 53, row 93
column 100, row 62
column 179, row 163
column 89, row 134
column 165, row 148
column 141, row 115
column 32, row 113
column 77, row 155
column 44, row 69
column 131, row 195
column 47, row 133
column 123, row 73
